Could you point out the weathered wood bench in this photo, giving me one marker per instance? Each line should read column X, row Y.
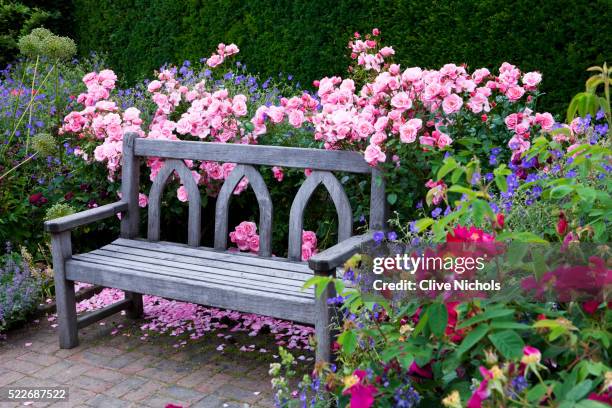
column 261, row 284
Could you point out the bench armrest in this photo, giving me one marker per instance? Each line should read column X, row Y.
column 72, row 221
column 333, row 257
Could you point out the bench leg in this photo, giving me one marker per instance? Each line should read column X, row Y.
column 323, row 330
column 64, row 291
column 136, row 309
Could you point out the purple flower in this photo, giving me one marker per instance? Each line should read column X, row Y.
column 379, row 236
column 436, row 212
column 392, row 236
column 600, row 114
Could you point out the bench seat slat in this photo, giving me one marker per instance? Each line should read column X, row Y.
column 209, row 253
column 279, row 305
column 273, row 285
column 204, row 265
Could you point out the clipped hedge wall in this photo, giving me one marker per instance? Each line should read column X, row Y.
column 561, row 38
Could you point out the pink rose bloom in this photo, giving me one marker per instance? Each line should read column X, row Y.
column 532, row 79
column 214, row 60
column 90, row 78
column 143, row 200
column 387, row 51
column 278, row 173
column 214, row 170
column 131, row 114
column 401, row 101
column 182, row 194
column 296, row 118
column 239, row 107
column 442, row 139
column 310, row 238
column 378, row 138
column 227, row 169
column 373, row 155
column 480, row 74
column 514, row 93
column 106, row 106
column 253, row 243
column 231, row 50
column 511, row 121
column 306, row 253
column 412, row 74
column 452, row 104
column 381, row 123
column 107, row 74
column 545, row 120
column 154, row 86
column 408, row 133
column 183, row 126
column 276, row 113
column 249, row 228
column 307, row 172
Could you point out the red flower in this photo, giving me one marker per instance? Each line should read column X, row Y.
column 37, row 199
column 562, row 224
column 473, row 234
column 68, row 196
column 590, row 307
column 500, row 220
column 362, row 395
column 605, row 398
column 424, row 371
column 484, row 118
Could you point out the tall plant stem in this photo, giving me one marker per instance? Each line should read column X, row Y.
column 57, row 110
column 30, row 103
column 19, row 165
column 32, row 95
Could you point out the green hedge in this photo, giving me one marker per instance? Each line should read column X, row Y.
column 561, row 38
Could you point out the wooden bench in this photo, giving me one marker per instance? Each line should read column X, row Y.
column 216, row 277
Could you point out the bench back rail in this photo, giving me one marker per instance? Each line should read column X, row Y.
column 322, row 162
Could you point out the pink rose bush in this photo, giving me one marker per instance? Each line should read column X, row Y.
column 246, row 239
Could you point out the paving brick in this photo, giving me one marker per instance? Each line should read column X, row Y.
column 62, row 371
column 38, row 358
column 22, row 366
column 106, row 375
column 197, row 377
column 9, row 377
column 160, row 401
column 239, row 394
column 104, row 401
column 182, row 393
column 213, row 383
column 78, row 395
column 144, row 391
column 92, row 384
column 210, row 401
column 128, row 385
column 166, row 370
column 105, row 350
column 124, row 360
column 88, row 357
column 139, row 365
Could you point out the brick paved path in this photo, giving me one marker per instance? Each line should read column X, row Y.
column 119, row 371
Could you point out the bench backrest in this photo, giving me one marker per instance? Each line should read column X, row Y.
column 322, row 162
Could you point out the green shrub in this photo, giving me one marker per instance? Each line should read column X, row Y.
column 560, row 38
column 17, row 19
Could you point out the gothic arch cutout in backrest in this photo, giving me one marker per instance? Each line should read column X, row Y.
column 194, row 225
column 296, row 217
column 263, row 199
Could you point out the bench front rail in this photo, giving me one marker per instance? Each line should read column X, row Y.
column 212, row 276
